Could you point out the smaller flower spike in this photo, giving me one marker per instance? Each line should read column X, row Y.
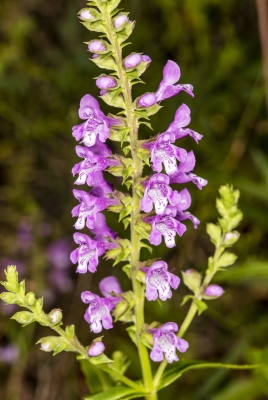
column 92, row 164
column 159, row 280
column 95, row 349
column 87, row 254
column 182, row 118
column 97, row 314
column 184, row 173
column 159, row 193
column 96, row 125
column 88, row 208
column 166, row 343
column 165, row 225
column 163, row 151
column 214, row 291
column 184, row 204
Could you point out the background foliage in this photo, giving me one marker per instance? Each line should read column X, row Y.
column 44, row 71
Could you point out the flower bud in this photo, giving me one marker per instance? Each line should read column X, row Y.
column 231, row 238
column 120, row 21
column 30, row 298
column 55, row 316
column 49, row 343
column 192, row 279
column 147, row 100
column 132, row 61
column 96, row 45
column 145, row 58
column 95, row 349
column 214, row 291
column 102, row 92
column 105, row 82
column 86, row 15
column 95, row 56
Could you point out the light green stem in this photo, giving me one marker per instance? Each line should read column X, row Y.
column 137, row 168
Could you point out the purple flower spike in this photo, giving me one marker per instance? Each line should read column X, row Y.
column 106, row 82
column 120, row 21
column 184, row 173
column 109, row 285
column 87, row 254
column 147, row 100
column 97, row 314
column 159, row 193
column 96, row 46
column 88, row 208
column 182, row 119
column 88, row 168
column 163, row 151
column 159, row 280
column 95, row 349
column 132, row 61
column 167, row 226
column 166, row 343
column 171, row 74
column 96, row 125
column 214, row 291
column 184, row 204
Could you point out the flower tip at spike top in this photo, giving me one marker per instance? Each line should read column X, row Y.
column 214, row 291
column 166, row 343
column 96, row 349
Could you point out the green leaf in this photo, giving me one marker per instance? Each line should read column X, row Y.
column 246, row 389
column 226, row 259
column 201, row 306
column 176, row 371
column 117, row 393
column 143, row 232
column 131, row 330
column 105, row 62
column 9, row 298
column 186, row 298
column 102, row 359
column 116, row 101
column 70, row 331
column 24, row 317
column 96, row 379
column 214, row 232
column 146, row 246
column 126, row 222
column 123, row 256
column 192, row 279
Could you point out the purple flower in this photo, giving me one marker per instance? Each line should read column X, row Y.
column 58, row 254
column 182, row 118
column 95, row 349
column 159, row 193
column 101, row 228
column 87, row 254
column 106, row 82
column 167, row 226
column 96, row 46
column 159, row 280
column 184, row 204
column 97, row 314
column 101, row 187
column 184, row 173
column 88, row 208
column 96, row 125
column 120, row 21
column 167, row 87
column 132, row 61
column 166, row 343
column 214, row 291
column 109, row 285
column 163, row 151
column 147, row 100
column 92, row 164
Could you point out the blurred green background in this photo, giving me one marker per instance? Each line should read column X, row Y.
column 44, row 71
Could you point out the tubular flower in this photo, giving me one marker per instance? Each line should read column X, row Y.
column 184, row 173
column 166, row 343
column 167, row 226
column 159, row 193
column 97, row 314
column 164, row 151
column 214, row 291
column 88, row 208
column 91, row 164
column 87, row 254
column 95, row 349
column 167, row 87
column 182, row 118
column 96, row 125
column 101, row 229
column 159, row 280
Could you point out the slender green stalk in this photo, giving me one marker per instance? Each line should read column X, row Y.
column 137, row 168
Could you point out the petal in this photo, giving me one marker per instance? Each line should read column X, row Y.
column 89, row 101
column 182, row 345
column 180, row 228
column 180, row 153
column 87, row 297
column 107, row 321
column 93, row 263
column 185, row 201
column 189, row 164
column 155, row 237
column 171, row 73
column 174, row 197
column 174, row 280
column 151, row 293
column 108, row 285
column 169, row 326
column 170, row 165
column 164, row 92
column 157, row 265
column 156, row 354
column 146, row 204
column 74, row 256
column 182, row 116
